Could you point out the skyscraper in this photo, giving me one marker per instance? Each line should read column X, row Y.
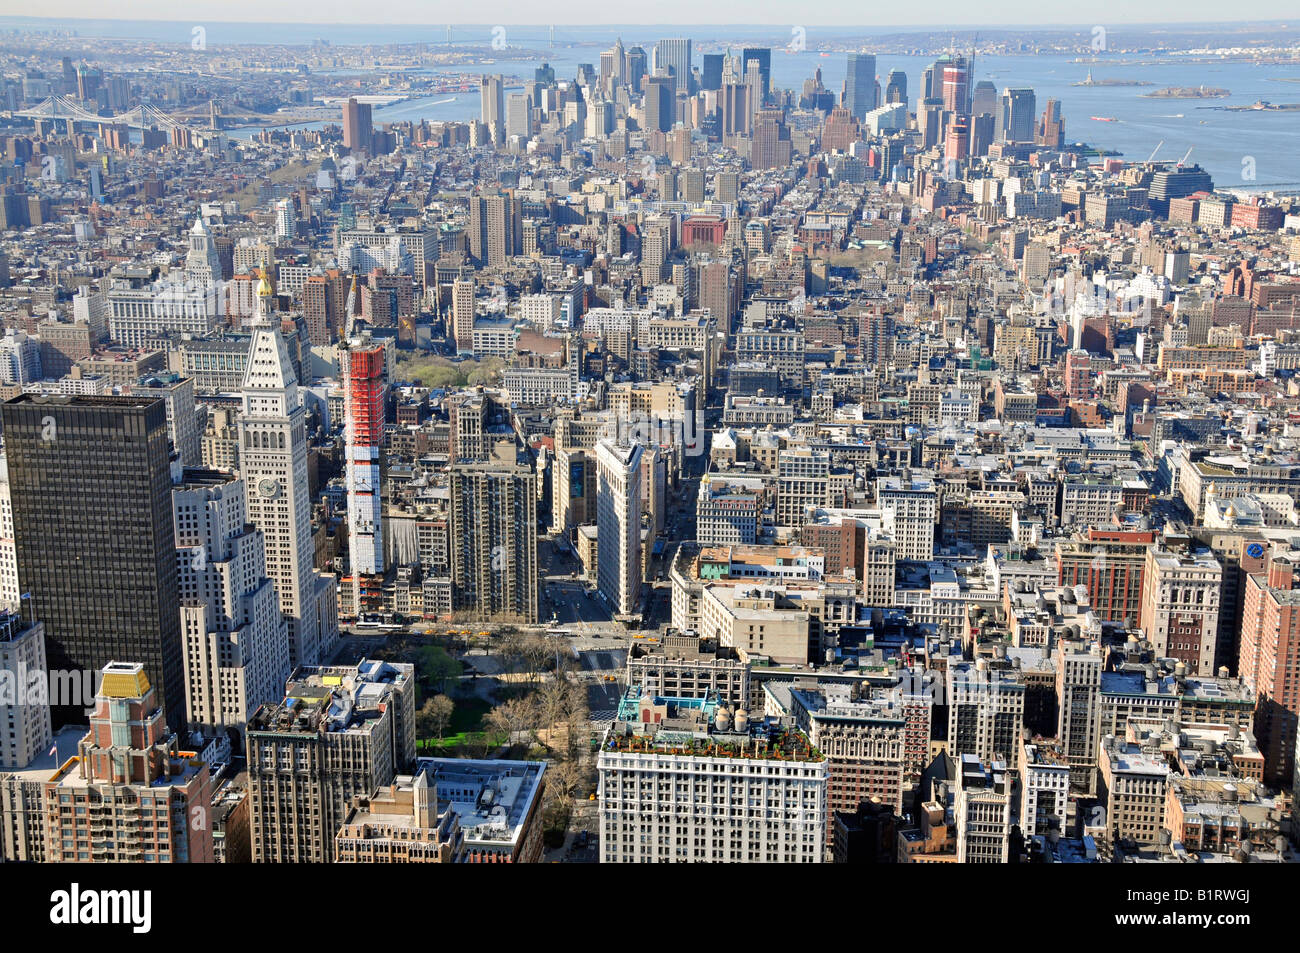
column 1270, row 655
column 131, row 794
column 236, row 645
column 364, row 389
column 931, row 82
column 618, row 525
column 957, row 142
column 675, row 55
column 727, row 186
column 910, row 507
column 716, row 290
column 492, row 102
column 495, row 228
column 286, row 221
column 273, row 462
column 1051, row 127
column 711, row 74
column 1078, row 687
column 896, row 87
column 462, row 314
column 358, row 132
column 609, row 65
column 735, row 110
column 860, row 84
column 202, row 262
column 929, row 118
column 1016, row 116
column 90, row 482
column 26, row 733
column 494, row 539
column 752, row 77
column 340, row 732
column 981, row 134
column 177, row 394
column 954, row 74
column 613, row 66
column 518, row 106
column 984, row 99
column 1180, row 606
column 656, row 246
column 636, row 67
column 772, row 144
column 878, row 338
column 575, row 491
column 320, row 293
column 763, row 55
column 660, row 107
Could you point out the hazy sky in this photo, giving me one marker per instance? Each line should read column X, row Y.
column 935, row 13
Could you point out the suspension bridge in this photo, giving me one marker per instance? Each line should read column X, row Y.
column 61, row 108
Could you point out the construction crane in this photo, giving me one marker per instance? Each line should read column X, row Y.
column 347, row 310
column 1183, row 161
column 1155, row 150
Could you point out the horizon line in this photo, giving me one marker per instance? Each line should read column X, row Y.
column 899, row 27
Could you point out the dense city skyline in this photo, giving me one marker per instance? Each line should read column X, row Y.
column 636, row 445
column 1008, row 13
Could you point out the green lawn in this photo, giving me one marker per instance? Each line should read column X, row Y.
column 434, row 370
column 466, row 719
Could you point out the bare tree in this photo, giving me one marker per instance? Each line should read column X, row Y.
column 567, row 778
column 576, row 715
column 511, row 649
column 513, row 717
column 536, row 653
column 553, row 701
column 443, row 707
column 424, row 726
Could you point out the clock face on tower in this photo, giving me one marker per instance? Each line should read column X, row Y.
column 269, row 488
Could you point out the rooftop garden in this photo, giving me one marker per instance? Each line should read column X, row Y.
column 777, row 745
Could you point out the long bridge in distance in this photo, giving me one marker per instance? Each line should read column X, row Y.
column 61, row 108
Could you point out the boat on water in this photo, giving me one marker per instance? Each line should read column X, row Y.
column 1103, row 118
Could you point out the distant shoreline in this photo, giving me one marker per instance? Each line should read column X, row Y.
column 1189, row 92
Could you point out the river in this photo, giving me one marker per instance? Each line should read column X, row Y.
column 1227, row 144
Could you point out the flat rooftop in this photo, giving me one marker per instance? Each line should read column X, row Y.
column 1228, row 691
column 491, row 799
column 695, row 727
column 52, row 762
column 840, row 706
column 332, row 698
column 83, row 400
column 1045, row 753
column 1130, row 759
